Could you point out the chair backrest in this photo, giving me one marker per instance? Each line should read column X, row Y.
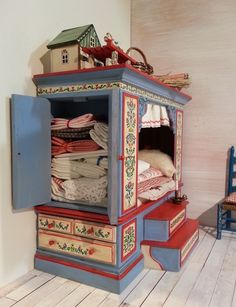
column 231, row 172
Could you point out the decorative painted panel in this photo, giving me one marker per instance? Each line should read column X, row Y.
column 95, row 231
column 84, row 87
column 178, row 144
column 189, row 245
column 177, row 220
column 129, row 239
column 129, row 151
column 55, row 224
column 77, row 246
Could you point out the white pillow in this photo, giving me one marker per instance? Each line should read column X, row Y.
column 142, row 166
column 158, row 160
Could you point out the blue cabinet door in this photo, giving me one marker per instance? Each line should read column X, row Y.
column 31, row 151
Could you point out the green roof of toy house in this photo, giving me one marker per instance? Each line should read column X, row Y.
column 70, row 36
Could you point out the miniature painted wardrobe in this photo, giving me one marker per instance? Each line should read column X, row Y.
column 103, row 245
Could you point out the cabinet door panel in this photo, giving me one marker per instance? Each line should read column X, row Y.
column 31, row 151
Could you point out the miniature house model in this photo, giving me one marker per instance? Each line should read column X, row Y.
column 66, row 53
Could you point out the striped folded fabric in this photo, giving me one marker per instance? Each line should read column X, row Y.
column 60, row 146
column 156, row 193
column 152, row 183
column 149, row 174
column 85, row 120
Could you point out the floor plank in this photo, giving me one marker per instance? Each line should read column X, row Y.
column 41, row 292
column 203, row 289
column 18, row 282
column 29, row 286
column 94, row 298
column 225, row 285
column 179, row 294
column 6, row 302
column 75, row 297
column 114, row 300
column 59, row 294
column 139, row 293
column 160, row 293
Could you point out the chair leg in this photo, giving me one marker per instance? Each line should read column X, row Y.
column 219, row 221
column 228, row 214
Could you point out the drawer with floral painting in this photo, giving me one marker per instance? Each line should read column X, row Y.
column 77, row 246
column 53, row 223
column 96, row 231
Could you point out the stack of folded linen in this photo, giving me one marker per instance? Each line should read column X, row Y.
column 79, row 167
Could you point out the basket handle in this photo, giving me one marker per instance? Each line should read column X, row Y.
column 148, row 68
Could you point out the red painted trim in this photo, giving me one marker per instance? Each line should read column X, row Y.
column 124, row 95
column 122, row 241
column 179, row 239
column 76, row 71
column 94, row 217
column 140, row 209
column 61, row 212
column 87, row 268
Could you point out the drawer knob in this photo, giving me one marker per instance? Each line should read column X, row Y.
column 121, row 158
column 50, row 225
column 51, row 242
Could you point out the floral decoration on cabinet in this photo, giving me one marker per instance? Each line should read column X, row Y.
column 178, row 143
column 91, row 231
column 129, row 238
column 129, row 173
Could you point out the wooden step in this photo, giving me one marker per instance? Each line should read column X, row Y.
column 161, row 223
column 171, row 255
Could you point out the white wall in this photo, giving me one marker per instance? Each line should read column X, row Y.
column 197, row 37
column 26, row 27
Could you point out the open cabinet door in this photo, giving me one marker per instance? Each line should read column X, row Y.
column 31, row 151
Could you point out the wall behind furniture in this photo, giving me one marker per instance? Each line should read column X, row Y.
column 25, row 29
column 197, row 37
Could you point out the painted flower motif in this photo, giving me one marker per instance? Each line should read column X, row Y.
column 130, row 166
column 129, row 192
column 91, row 251
column 129, row 240
column 90, row 231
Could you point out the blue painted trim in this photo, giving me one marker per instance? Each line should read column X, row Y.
column 89, row 278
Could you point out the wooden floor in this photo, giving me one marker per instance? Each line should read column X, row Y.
column 207, row 279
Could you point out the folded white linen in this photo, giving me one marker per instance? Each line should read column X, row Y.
column 142, row 166
column 101, row 161
column 85, row 154
column 58, row 193
column 65, row 169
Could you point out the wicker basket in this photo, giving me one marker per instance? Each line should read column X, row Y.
column 142, row 66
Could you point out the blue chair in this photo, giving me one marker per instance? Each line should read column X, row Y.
column 228, row 204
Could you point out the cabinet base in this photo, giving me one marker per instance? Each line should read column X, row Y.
column 93, row 277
